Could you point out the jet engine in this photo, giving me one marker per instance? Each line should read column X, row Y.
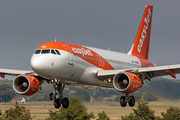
column 26, row 85
column 126, row 82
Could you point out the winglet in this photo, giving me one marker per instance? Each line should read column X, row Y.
column 170, row 72
column 2, row 75
column 140, row 48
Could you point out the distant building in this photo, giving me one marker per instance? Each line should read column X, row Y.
column 19, row 100
column 22, row 101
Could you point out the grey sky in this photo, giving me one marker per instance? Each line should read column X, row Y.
column 24, row 25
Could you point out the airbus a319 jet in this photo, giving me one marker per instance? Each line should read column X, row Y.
column 61, row 64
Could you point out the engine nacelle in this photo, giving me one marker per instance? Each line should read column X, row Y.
column 26, row 85
column 126, row 82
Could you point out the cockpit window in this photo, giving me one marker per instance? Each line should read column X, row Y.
column 48, row 51
column 45, row 51
column 57, row 52
column 53, row 52
column 37, row 51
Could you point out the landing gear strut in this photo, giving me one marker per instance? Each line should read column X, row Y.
column 125, row 99
column 58, row 97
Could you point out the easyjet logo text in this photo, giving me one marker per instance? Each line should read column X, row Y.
column 81, row 51
column 144, row 32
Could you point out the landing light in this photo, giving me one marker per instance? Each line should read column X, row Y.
column 52, row 81
column 56, row 80
column 109, row 80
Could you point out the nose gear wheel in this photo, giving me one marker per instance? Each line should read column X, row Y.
column 51, row 96
column 57, row 104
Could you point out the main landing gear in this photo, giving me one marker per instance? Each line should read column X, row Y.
column 58, row 97
column 125, row 99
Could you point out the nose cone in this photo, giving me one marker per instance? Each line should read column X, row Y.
column 38, row 63
column 44, row 65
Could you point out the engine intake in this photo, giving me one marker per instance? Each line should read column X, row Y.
column 26, row 85
column 126, row 82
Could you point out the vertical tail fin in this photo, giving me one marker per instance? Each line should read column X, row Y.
column 140, row 48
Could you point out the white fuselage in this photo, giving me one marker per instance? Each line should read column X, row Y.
column 72, row 69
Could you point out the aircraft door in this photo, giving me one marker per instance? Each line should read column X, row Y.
column 70, row 55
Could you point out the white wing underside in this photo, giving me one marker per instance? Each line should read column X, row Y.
column 14, row 72
column 150, row 71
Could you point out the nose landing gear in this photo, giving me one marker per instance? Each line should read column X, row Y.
column 125, row 99
column 58, row 97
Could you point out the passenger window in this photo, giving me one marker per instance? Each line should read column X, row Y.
column 37, row 51
column 53, row 52
column 57, row 52
column 45, row 51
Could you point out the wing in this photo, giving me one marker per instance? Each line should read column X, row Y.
column 145, row 73
column 13, row 72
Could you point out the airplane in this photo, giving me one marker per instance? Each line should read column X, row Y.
column 62, row 64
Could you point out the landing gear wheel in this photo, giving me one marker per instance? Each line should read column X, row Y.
column 131, row 101
column 51, row 96
column 65, row 102
column 57, row 103
column 123, row 101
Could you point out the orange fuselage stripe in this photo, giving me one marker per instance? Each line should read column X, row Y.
column 81, row 51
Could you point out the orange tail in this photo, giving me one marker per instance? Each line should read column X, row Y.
column 140, row 47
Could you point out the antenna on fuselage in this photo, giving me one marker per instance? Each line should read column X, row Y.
column 55, row 39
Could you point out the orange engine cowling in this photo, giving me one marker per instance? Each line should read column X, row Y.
column 126, row 82
column 26, row 85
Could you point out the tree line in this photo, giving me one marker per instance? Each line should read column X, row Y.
column 157, row 88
